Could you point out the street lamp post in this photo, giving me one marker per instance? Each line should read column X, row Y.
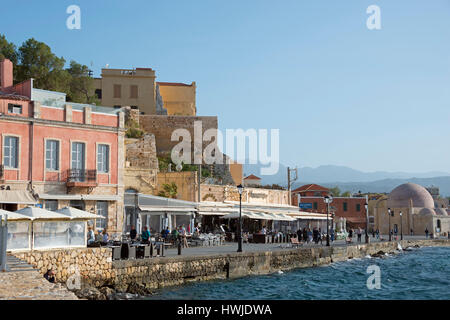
column 366, row 205
column 328, row 200
column 333, row 229
column 390, row 213
column 240, row 189
column 401, row 226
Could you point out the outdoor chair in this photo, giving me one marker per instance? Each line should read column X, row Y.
column 295, row 242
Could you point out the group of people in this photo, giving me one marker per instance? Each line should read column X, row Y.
column 178, row 233
column 93, row 236
column 315, row 235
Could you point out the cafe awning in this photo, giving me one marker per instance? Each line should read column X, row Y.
column 17, row 197
column 89, row 197
column 74, row 213
column 245, row 214
column 42, row 214
column 13, row 216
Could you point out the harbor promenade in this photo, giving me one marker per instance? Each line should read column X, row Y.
column 231, row 247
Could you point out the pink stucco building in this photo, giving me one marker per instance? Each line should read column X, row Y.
column 59, row 153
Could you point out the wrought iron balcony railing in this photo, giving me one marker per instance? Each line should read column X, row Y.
column 79, row 175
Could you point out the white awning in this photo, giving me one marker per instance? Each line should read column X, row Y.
column 92, row 197
column 74, row 213
column 12, row 216
column 38, row 213
column 167, row 209
column 212, row 213
column 16, row 197
column 245, row 214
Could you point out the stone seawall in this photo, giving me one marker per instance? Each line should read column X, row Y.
column 144, row 275
column 93, row 265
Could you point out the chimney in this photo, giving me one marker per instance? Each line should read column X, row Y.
column 6, row 73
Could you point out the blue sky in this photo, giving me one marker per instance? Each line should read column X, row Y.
column 339, row 93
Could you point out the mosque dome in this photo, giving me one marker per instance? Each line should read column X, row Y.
column 401, row 195
column 441, row 212
column 427, row 212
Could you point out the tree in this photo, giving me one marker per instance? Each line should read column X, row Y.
column 37, row 61
column 81, row 87
column 346, row 194
column 8, row 50
column 169, row 190
column 335, row 191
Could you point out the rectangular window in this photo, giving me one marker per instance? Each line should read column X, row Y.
column 102, row 210
column 358, row 207
column 315, row 205
column 52, row 155
column 103, row 158
column 133, row 91
column 14, row 108
column 345, row 206
column 77, row 161
column 117, row 91
column 51, row 205
column 11, row 152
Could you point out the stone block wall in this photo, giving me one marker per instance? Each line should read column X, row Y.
column 163, row 126
column 93, row 265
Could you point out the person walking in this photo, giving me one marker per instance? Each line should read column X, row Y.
column 378, row 233
column 350, row 234
column 299, row 235
column 426, row 233
column 358, row 232
column 183, row 235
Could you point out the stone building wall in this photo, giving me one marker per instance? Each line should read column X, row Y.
column 163, row 126
column 141, row 164
column 186, row 181
column 219, row 193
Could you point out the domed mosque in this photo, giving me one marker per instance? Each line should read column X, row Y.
column 414, row 209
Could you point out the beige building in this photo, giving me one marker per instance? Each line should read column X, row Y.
column 138, row 89
column 418, row 208
column 178, row 98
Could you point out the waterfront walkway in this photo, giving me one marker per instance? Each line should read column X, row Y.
column 231, row 247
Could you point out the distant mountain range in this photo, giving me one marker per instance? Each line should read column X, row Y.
column 348, row 179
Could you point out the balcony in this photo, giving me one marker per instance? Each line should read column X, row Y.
column 81, row 178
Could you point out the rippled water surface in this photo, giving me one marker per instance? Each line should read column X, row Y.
column 419, row 274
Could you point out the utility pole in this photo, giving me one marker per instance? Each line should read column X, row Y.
column 199, row 178
column 291, row 181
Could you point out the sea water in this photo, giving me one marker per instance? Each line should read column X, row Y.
column 419, row 274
